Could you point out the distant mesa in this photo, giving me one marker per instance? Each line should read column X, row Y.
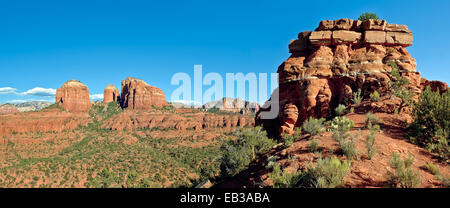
column 138, row 95
column 74, row 96
column 111, row 94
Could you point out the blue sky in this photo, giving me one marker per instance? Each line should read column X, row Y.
column 45, row 43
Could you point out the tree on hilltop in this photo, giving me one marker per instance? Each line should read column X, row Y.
column 368, row 15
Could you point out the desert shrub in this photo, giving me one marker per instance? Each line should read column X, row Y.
column 288, row 139
column 444, row 179
column 403, row 175
column 283, row 178
column 54, row 106
column 431, row 168
column 431, row 114
column 370, row 141
column 271, row 162
column 368, row 15
column 341, row 127
column 326, row 173
column 357, row 97
column 237, row 154
column 375, row 96
column 340, row 110
column 313, row 145
column 313, row 126
column 398, row 86
column 371, row 119
column 441, row 147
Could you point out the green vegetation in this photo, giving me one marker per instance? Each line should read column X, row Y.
column 431, row 121
column 371, row 120
column 326, row 173
column 399, row 87
column 357, row 97
column 375, row 96
column 340, row 126
column 370, row 141
column 288, row 139
column 238, row 154
column 284, row 179
column 313, row 146
column 403, row 175
column 368, row 15
column 340, row 110
column 54, row 106
column 431, row 168
column 313, row 126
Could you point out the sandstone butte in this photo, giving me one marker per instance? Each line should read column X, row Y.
column 138, row 95
column 74, row 97
column 111, row 94
column 341, row 56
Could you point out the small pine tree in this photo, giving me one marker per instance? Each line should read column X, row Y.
column 403, row 175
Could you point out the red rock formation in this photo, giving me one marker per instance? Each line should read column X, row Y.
column 434, row 85
column 137, row 94
column 111, row 94
column 8, row 109
column 329, row 64
column 74, row 96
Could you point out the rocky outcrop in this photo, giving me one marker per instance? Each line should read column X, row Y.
column 341, row 56
column 111, row 94
column 233, row 105
column 434, row 85
column 74, row 96
column 138, row 95
column 31, row 106
column 8, row 109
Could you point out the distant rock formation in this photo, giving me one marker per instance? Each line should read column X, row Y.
column 233, row 105
column 31, row 106
column 111, row 94
column 341, row 56
column 8, row 109
column 138, row 95
column 74, row 96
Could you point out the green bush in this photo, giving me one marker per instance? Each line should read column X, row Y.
column 284, row 179
column 399, row 87
column 441, row 147
column 444, row 179
column 313, row 126
column 341, row 127
column 431, row 115
column 370, row 141
column 431, row 168
column 375, row 96
column 288, row 139
column 326, row 173
column 238, row 154
column 403, row 175
column 313, row 146
column 357, row 97
column 340, row 110
column 368, row 15
column 371, row 120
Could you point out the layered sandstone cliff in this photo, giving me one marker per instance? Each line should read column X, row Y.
column 74, row 96
column 138, row 95
column 111, row 94
column 327, row 65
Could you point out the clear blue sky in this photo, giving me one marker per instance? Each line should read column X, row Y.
column 45, row 43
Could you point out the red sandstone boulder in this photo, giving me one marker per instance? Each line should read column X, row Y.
column 111, row 94
column 74, row 96
column 439, row 86
column 137, row 94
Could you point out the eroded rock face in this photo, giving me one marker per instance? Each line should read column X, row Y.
column 74, row 96
column 138, row 95
column 111, row 94
column 327, row 65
